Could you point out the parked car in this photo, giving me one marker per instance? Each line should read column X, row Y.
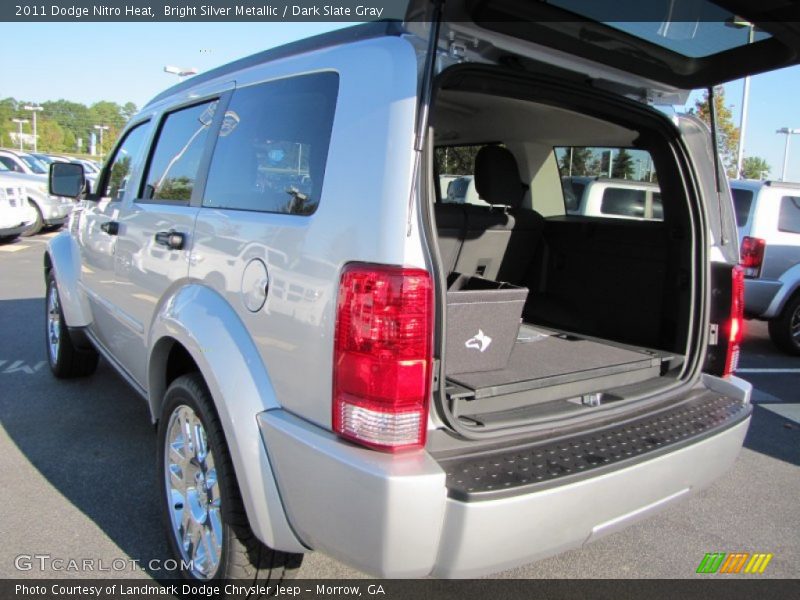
column 768, row 219
column 612, row 198
column 22, row 162
column 90, row 168
column 49, row 211
column 337, row 419
column 16, row 215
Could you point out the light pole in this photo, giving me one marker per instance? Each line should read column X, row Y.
column 102, row 128
column 789, row 133
column 180, row 72
column 20, row 122
column 34, row 110
column 745, row 95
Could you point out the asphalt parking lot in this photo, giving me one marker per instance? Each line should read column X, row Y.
column 78, row 469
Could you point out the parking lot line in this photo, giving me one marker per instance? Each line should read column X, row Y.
column 16, row 248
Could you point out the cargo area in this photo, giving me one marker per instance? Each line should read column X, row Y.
column 566, row 244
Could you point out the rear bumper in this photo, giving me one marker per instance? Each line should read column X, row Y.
column 758, row 295
column 393, row 516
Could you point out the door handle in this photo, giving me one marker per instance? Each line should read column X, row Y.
column 173, row 240
column 110, row 227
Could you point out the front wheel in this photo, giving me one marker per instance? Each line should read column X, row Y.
column 65, row 359
column 207, row 527
column 785, row 329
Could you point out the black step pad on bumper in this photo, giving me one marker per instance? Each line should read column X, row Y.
column 522, row 470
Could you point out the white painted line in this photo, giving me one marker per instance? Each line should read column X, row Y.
column 768, row 370
column 787, row 411
column 15, row 248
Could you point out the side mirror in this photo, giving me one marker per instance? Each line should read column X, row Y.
column 67, row 179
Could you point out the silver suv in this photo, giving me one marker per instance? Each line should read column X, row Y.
column 768, row 218
column 338, row 360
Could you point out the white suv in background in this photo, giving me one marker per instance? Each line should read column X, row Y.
column 768, row 219
column 612, row 198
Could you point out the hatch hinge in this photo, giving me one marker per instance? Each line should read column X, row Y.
column 458, row 46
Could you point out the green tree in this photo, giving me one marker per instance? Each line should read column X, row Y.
column 755, row 167
column 575, row 161
column 623, row 165
column 727, row 132
column 456, row 160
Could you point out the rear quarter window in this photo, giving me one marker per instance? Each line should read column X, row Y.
column 742, row 202
column 623, row 202
column 272, row 148
column 789, row 217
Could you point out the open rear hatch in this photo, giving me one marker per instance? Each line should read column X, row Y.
column 557, row 369
column 661, row 46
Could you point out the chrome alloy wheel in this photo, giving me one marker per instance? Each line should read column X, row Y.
column 193, row 495
column 53, row 323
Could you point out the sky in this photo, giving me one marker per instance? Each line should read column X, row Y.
column 122, row 62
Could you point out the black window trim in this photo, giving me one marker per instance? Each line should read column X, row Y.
column 222, row 100
column 105, row 171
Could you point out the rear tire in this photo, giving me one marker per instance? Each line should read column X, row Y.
column 37, row 225
column 785, row 329
column 65, row 360
column 202, row 507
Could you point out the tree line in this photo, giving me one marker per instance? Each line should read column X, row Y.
column 62, row 125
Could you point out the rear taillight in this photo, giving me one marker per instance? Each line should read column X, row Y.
column 736, row 322
column 383, row 356
column 752, row 255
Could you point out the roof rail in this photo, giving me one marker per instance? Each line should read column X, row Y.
column 356, row 33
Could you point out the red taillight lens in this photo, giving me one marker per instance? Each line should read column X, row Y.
column 752, row 255
column 383, row 356
column 736, row 322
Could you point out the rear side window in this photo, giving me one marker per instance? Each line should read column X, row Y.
column 742, row 201
column 121, row 167
column 789, row 217
column 459, row 162
column 172, row 172
column 273, row 146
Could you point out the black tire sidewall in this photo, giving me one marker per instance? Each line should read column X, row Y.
column 55, row 365
column 37, row 225
column 183, row 391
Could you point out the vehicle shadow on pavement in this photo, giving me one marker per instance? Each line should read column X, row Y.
column 773, row 435
column 91, row 438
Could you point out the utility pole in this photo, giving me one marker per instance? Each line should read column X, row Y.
column 789, row 133
column 34, row 109
column 102, row 128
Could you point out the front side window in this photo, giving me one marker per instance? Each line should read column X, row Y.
column 173, row 168
column 121, row 166
column 789, row 217
column 33, row 164
column 273, row 146
column 10, row 164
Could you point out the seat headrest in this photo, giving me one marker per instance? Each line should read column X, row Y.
column 497, row 179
